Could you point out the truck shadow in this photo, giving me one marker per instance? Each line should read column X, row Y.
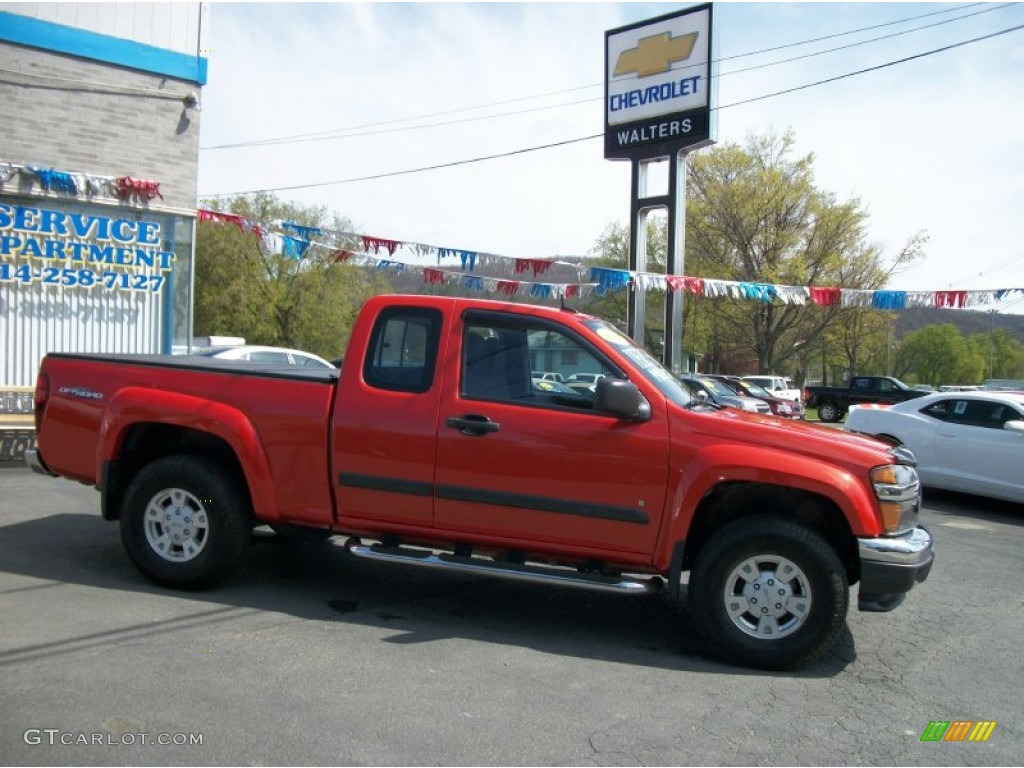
column 321, row 582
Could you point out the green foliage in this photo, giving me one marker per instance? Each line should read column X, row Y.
column 859, row 336
column 1001, row 355
column 755, row 215
column 939, row 355
column 267, row 298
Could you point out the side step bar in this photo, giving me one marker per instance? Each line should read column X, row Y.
column 519, row 572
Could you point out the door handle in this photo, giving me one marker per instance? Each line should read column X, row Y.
column 472, row 424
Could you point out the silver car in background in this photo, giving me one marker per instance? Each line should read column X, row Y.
column 719, row 394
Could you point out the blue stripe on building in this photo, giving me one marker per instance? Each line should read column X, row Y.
column 23, row 30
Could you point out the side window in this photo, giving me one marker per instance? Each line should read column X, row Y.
column 277, row 358
column 979, row 413
column 939, row 410
column 516, row 359
column 402, row 354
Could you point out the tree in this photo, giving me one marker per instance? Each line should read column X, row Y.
column 243, row 289
column 938, row 355
column 864, row 333
column 1000, row 354
column 754, row 215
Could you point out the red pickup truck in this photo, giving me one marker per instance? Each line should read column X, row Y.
column 434, row 446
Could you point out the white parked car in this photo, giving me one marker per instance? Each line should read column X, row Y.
column 777, row 386
column 547, row 376
column 586, row 378
column 971, row 442
column 269, row 356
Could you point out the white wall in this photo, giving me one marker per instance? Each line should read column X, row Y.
column 180, row 27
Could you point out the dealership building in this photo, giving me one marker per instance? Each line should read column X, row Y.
column 99, row 142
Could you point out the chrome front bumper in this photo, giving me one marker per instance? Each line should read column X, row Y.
column 890, row 566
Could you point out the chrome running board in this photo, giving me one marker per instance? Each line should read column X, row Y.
column 519, row 572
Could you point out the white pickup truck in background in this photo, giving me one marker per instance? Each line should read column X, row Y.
column 780, row 386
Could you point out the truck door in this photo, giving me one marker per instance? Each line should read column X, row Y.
column 529, row 459
column 385, row 424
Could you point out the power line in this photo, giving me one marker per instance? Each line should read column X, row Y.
column 1011, row 261
column 526, row 150
column 439, row 166
column 333, row 136
column 332, row 133
column 877, row 67
column 865, row 42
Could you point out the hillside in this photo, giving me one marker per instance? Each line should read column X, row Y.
column 968, row 322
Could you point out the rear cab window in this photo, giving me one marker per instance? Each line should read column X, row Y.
column 402, row 354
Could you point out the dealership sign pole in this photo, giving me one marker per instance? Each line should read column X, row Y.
column 659, row 106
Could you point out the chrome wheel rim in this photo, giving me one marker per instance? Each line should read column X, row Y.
column 767, row 597
column 177, row 526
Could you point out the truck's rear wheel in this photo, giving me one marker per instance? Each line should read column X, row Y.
column 185, row 522
column 769, row 593
column 829, row 412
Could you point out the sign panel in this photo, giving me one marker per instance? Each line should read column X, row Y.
column 658, row 90
column 57, row 247
column 81, row 277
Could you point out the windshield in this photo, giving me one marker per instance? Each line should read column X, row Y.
column 755, row 391
column 651, row 369
column 715, row 387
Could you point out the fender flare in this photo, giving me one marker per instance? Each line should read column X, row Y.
column 720, row 464
column 134, row 405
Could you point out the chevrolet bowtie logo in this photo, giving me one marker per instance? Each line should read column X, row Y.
column 655, row 54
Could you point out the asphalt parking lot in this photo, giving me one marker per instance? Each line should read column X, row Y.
column 307, row 656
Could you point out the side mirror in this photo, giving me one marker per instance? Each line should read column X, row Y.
column 1014, row 426
column 622, row 399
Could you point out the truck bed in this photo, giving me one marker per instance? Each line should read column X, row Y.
column 286, row 413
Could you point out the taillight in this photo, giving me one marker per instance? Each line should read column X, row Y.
column 807, row 395
column 41, row 396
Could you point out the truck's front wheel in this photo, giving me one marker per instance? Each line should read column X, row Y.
column 769, row 593
column 829, row 412
column 185, row 522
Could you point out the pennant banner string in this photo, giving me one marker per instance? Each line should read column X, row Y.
column 388, row 254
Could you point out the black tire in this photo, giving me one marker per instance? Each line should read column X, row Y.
column 185, row 522
column 808, row 603
column 829, row 412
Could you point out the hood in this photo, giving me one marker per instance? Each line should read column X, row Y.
column 786, row 435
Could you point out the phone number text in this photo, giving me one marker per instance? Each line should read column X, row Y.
column 84, row 278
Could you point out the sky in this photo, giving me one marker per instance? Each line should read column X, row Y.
column 933, row 144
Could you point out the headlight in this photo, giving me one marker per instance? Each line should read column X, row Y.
column 899, row 496
column 784, row 408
